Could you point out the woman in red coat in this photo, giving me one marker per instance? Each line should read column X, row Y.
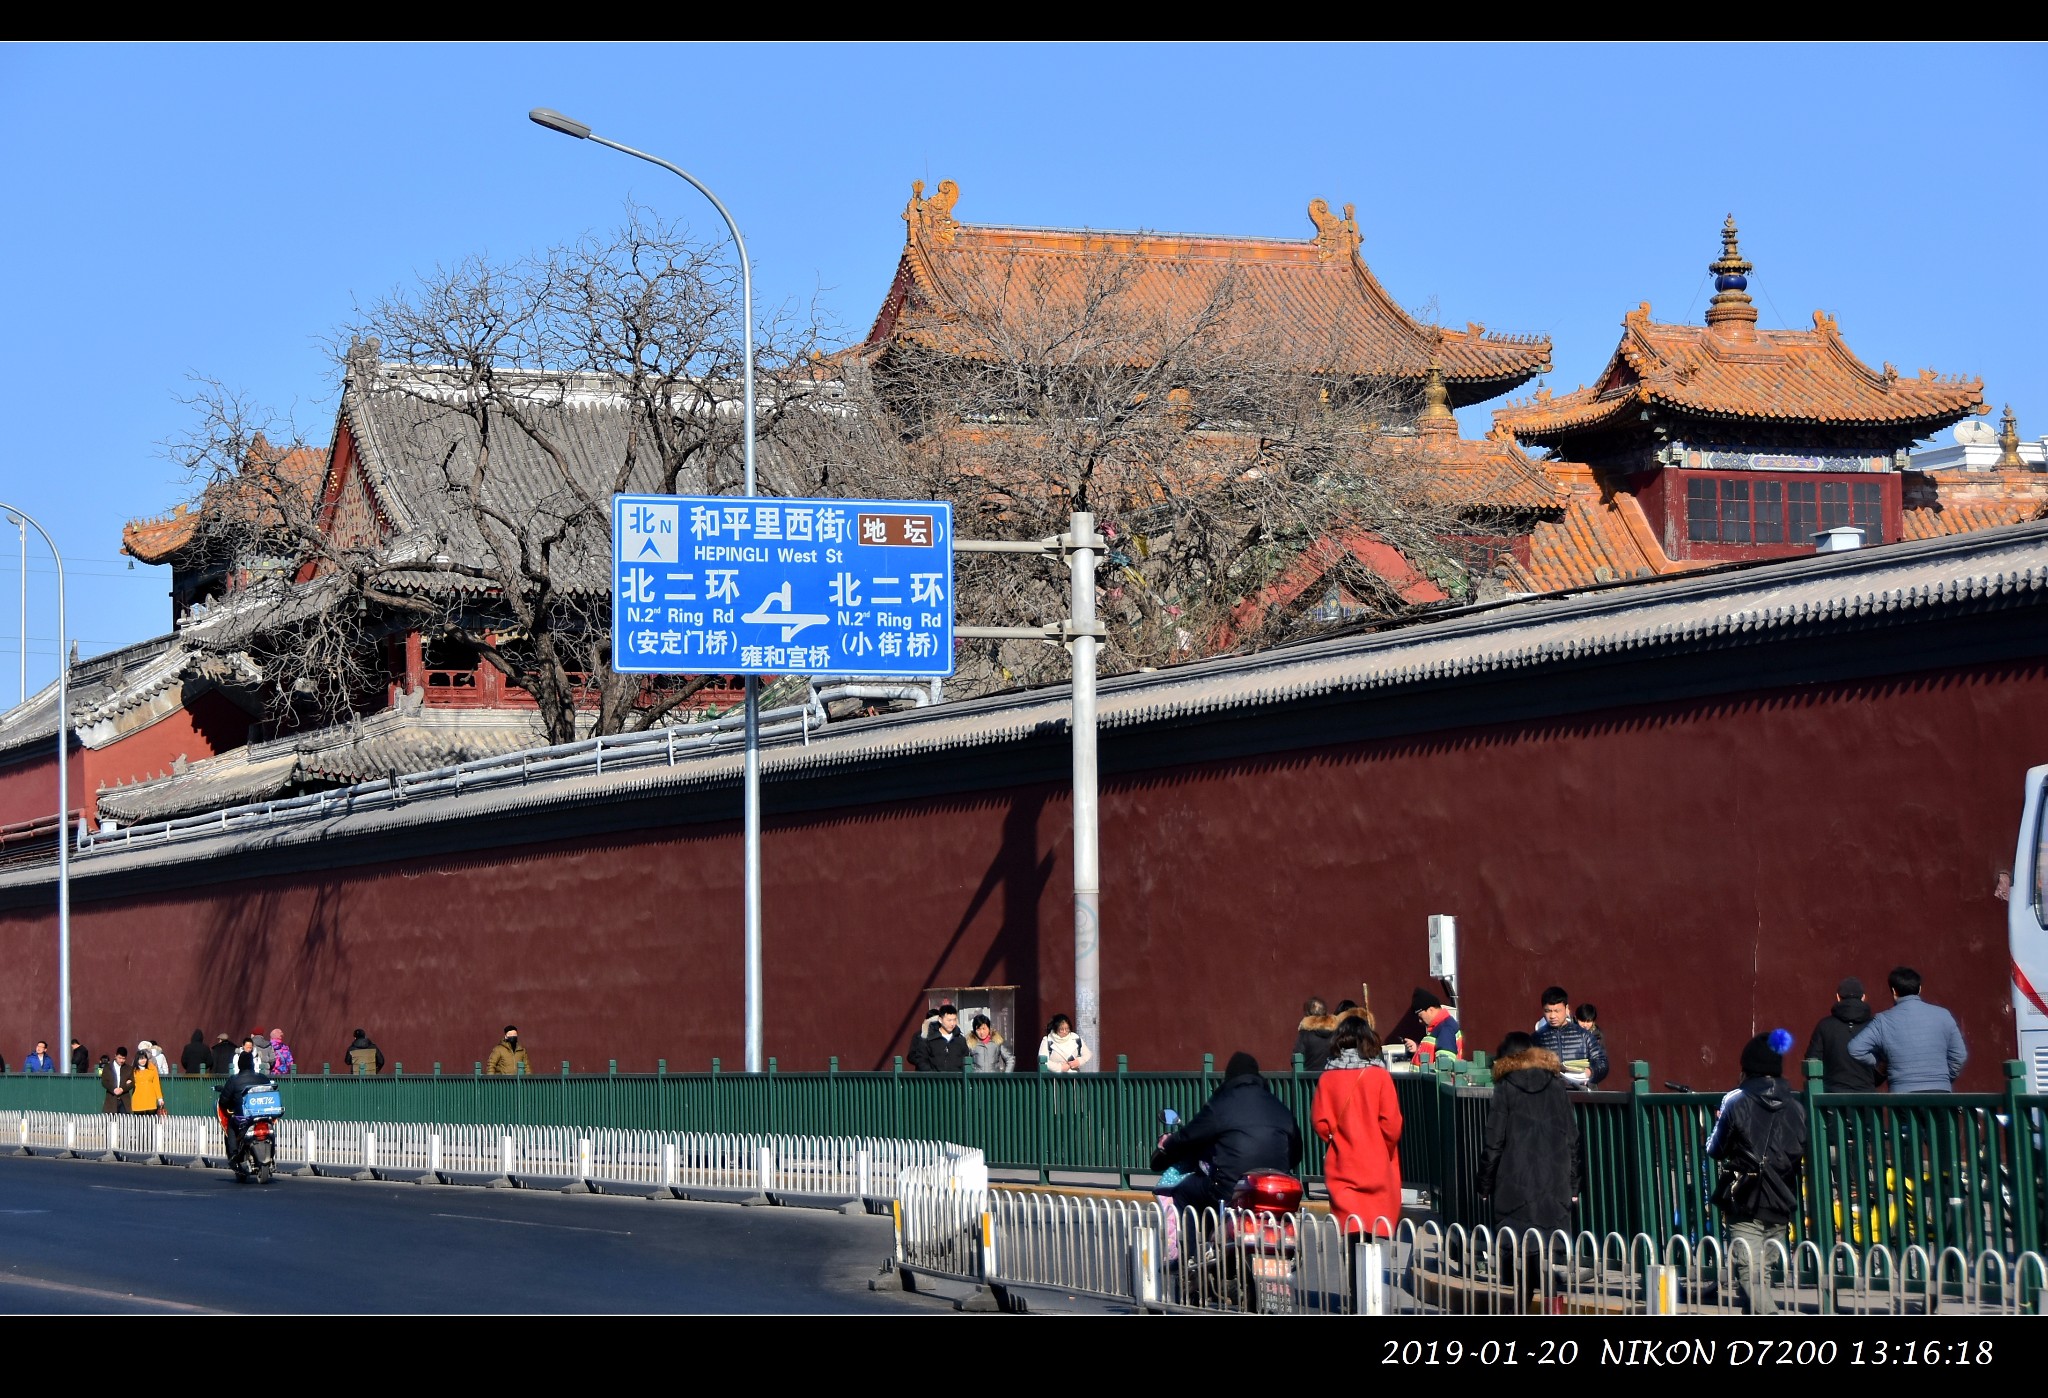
column 1358, row 1114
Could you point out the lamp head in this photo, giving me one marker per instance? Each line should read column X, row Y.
column 555, row 121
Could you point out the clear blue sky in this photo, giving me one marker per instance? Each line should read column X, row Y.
column 214, row 209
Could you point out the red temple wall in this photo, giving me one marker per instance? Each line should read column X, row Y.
column 28, row 789
column 1701, row 870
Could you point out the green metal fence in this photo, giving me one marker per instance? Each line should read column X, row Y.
column 1966, row 1169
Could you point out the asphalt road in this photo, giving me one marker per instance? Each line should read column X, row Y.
column 81, row 1237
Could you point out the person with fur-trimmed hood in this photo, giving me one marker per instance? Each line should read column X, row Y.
column 1533, row 1163
column 1312, row 1036
column 1759, row 1137
column 1534, row 1160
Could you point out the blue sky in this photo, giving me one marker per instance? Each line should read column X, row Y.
column 202, row 209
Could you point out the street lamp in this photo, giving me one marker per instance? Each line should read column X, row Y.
column 569, row 126
column 63, row 780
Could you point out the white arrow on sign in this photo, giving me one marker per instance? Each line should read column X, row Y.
column 790, row 620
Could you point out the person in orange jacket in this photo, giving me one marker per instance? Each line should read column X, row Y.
column 1357, row 1112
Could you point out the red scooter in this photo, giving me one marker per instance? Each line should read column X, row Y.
column 1260, row 1242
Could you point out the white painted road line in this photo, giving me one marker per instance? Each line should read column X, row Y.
column 124, row 1299
column 528, row 1223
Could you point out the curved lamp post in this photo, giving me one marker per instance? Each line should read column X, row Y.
column 569, row 126
column 63, row 789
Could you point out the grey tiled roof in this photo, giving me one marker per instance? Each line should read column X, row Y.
column 410, row 738
column 101, row 687
column 415, row 441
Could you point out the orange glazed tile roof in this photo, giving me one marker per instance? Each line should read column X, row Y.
column 1603, row 537
column 1317, row 294
column 1729, row 369
column 158, row 540
column 1488, row 473
column 1961, row 502
column 1783, row 376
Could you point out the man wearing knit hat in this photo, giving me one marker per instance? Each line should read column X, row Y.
column 1840, row 1070
column 1759, row 1137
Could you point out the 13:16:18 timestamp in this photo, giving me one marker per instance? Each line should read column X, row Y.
column 1946, row 1353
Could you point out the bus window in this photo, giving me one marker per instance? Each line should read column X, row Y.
column 2041, row 858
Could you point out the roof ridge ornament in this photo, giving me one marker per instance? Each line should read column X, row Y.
column 1335, row 237
column 1436, row 415
column 2009, row 458
column 1731, row 314
column 931, row 220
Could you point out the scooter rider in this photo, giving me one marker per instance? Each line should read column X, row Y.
column 244, row 1079
column 1243, row 1128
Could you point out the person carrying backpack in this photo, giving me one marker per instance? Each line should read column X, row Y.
column 1759, row 1137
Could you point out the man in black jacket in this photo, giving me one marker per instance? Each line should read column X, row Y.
column 223, row 1056
column 1759, row 1137
column 1841, row 1071
column 942, row 1048
column 195, row 1060
column 1243, row 1128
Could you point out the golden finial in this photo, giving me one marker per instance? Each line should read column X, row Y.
column 2009, row 443
column 1436, row 396
column 1731, row 313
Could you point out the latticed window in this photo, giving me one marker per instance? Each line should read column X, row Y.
column 1727, row 510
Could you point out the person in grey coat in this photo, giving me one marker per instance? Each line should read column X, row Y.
column 1918, row 1043
column 990, row 1053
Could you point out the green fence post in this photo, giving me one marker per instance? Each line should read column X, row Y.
column 565, row 1067
column 896, row 1099
column 437, row 1067
column 1640, row 1190
column 1041, row 1106
column 1123, row 1154
column 325, row 1069
column 1820, row 1170
column 832, row 1093
column 661, row 1067
column 2020, row 1150
column 397, row 1070
column 479, row 1069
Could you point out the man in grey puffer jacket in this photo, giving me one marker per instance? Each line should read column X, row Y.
column 1918, row 1042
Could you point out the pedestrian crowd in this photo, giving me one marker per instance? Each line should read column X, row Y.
column 941, row 1045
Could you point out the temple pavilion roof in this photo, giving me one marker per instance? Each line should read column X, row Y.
column 265, row 469
column 1316, row 296
column 1729, row 371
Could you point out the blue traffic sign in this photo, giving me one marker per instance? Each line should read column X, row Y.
column 759, row 585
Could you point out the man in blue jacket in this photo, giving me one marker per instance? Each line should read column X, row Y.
column 1917, row 1042
column 1583, row 1054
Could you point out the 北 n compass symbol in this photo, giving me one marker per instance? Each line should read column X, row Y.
column 791, row 621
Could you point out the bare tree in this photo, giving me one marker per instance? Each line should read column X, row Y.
column 519, row 398
column 1214, row 451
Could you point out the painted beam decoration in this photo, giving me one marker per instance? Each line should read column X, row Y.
column 772, row 586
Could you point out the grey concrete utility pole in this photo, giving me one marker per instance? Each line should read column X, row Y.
column 63, row 773
column 751, row 815
column 1082, row 633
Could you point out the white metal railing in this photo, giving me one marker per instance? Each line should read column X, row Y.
column 1151, row 1256
column 828, row 1165
column 592, row 756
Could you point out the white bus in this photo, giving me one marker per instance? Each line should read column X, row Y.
column 2027, row 919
